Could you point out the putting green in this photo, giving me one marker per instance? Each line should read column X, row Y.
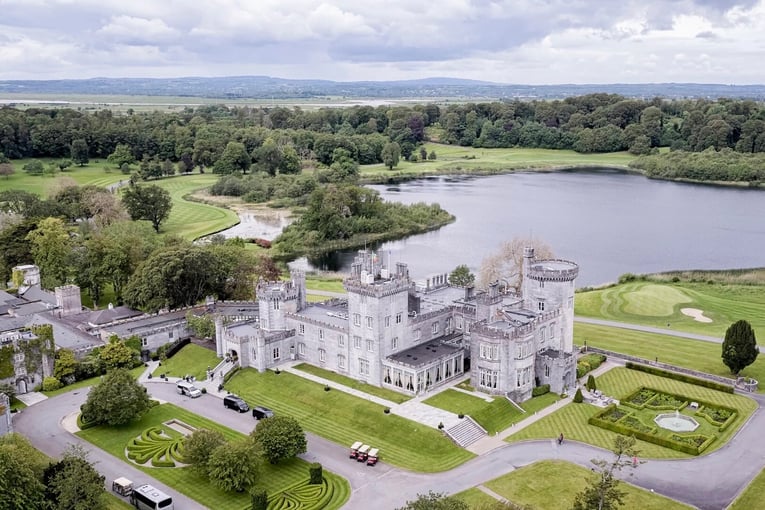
column 655, row 300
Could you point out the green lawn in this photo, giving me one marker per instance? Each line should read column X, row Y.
column 493, row 416
column 452, row 158
column 93, row 173
column 115, row 503
column 88, row 382
column 658, row 304
column 553, row 484
column 191, row 360
column 693, row 354
column 17, row 404
column 274, row 478
column 393, row 396
column 191, row 220
column 325, row 283
column 619, row 382
column 752, row 496
column 344, row 419
column 476, row 498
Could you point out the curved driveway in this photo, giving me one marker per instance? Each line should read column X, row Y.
column 709, row 482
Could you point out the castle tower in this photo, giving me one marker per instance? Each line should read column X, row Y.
column 275, row 299
column 68, row 300
column 549, row 285
column 298, row 278
column 488, row 304
column 378, row 311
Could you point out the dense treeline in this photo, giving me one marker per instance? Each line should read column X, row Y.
column 709, row 165
column 275, row 140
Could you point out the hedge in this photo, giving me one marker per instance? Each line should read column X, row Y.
column 649, row 438
column 231, row 374
column 540, row 390
column 177, row 346
column 680, row 377
column 588, row 363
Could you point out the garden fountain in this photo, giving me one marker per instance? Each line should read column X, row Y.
column 676, row 422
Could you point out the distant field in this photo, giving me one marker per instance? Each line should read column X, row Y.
column 659, row 304
column 92, row 173
column 455, row 159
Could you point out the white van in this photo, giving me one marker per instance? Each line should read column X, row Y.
column 147, row 497
column 186, row 388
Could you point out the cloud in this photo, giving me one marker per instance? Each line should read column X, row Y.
column 138, row 31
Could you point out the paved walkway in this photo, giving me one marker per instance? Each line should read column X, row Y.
column 649, row 329
column 31, row 398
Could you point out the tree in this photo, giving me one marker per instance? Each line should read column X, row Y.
column 435, row 501
column 591, row 383
column 603, row 492
column 52, row 251
column 199, row 446
column 505, row 265
column 461, row 276
column 201, row 325
column 21, row 471
column 391, row 154
column 259, row 499
column 34, row 167
column 233, row 159
column 122, row 155
column 116, row 400
column 150, row 203
column 6, row 170
column 116, row 354
column 281, row 438
column 235, row 465
column 578, row 397
column 65, row 365
column 739, row 349
column 79, row 152
column 73, row 483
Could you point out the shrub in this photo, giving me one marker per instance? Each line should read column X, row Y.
column 588, row 363
column 460, row 416
column 327, row 388
column 591, row 383
column 680, row 377
column 176, row 346
column 230, row 374
column 315, row 473
column 51, row 384
column 386, row 410
column 540, row 390
column 440, row 425
column 259, row 499
column 578, row 397
column 204, row 390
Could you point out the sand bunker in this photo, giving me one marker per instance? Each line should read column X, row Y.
column 698, row 315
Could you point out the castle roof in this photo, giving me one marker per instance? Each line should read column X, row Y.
column 424, row 354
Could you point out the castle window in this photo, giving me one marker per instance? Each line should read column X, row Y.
column 322, row 355
column 145, row 342
column 363, row 366
column 18, row 357
column 547, row 371
column 321, row 334
column 399, row 317
column 369, row 322
column 254, row 354
column 459, row 322
column 394, row 343
column 340, row 361
column 276, row 353
column 276, row 305
column 341, row 341
column 301, row 329
column 541, row 284
column 551, row 334
column 434, row 328
column 541, row 306
column 489, row 351
column 357, row 319
column 169, row 334
column 370, row 345
column 488, row 378
column 301, row 349
column 417, row 334
column 357, row 342
column 387, row 321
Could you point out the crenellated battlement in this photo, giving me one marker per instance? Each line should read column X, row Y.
column 555, row 270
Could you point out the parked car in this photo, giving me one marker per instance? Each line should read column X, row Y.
column 236, row 403
column 260, row 412
column 186, row 388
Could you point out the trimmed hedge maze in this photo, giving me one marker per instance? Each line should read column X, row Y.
column 635, row 417
column 304, row 496
column 155, row 445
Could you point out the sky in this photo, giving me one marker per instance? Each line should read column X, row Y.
column 505, row 41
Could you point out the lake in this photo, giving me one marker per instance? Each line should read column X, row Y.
column 610, row 222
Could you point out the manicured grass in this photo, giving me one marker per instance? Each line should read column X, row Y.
column 191, row 360
column 185, row 480
column 17, row 404
column 476, row 498
column 385, row 393
column 89, row 382
column 493, row 416
column 694, row 354
column 553, row 484
column 752, row 496
column 115, row 503
column 344, row 419
column 191, row 220
column 658, row 304
column 453, row 159
column 619, row 382
column 315, row 298
column 92, row 173
column 329, row 284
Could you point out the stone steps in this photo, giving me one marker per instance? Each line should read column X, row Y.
column 466, row 432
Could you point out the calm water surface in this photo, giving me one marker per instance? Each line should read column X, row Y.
column 609, row 222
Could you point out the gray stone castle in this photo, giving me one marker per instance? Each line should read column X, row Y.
column 392, row 333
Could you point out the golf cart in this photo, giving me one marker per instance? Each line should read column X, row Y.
column 361, row 456
column 355, row 449
column 372, row 457
column 123, row 487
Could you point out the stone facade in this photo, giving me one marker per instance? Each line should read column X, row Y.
column 392, row 333
column 6, row 424
column 24, row 361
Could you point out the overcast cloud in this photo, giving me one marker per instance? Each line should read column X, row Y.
column 508, row 41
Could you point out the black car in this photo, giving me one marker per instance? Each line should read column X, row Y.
column 260, row 412
column 236, row 403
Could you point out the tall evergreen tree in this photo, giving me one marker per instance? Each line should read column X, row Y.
column 739, row 349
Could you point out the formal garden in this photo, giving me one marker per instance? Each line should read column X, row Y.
column 155, row 444
column 643, row 396
column 344, row 419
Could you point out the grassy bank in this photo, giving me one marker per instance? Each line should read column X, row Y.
column 91, row 174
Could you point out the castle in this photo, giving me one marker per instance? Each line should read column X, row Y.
column 393, row 333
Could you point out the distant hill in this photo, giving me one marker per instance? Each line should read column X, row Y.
column 265, row 87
